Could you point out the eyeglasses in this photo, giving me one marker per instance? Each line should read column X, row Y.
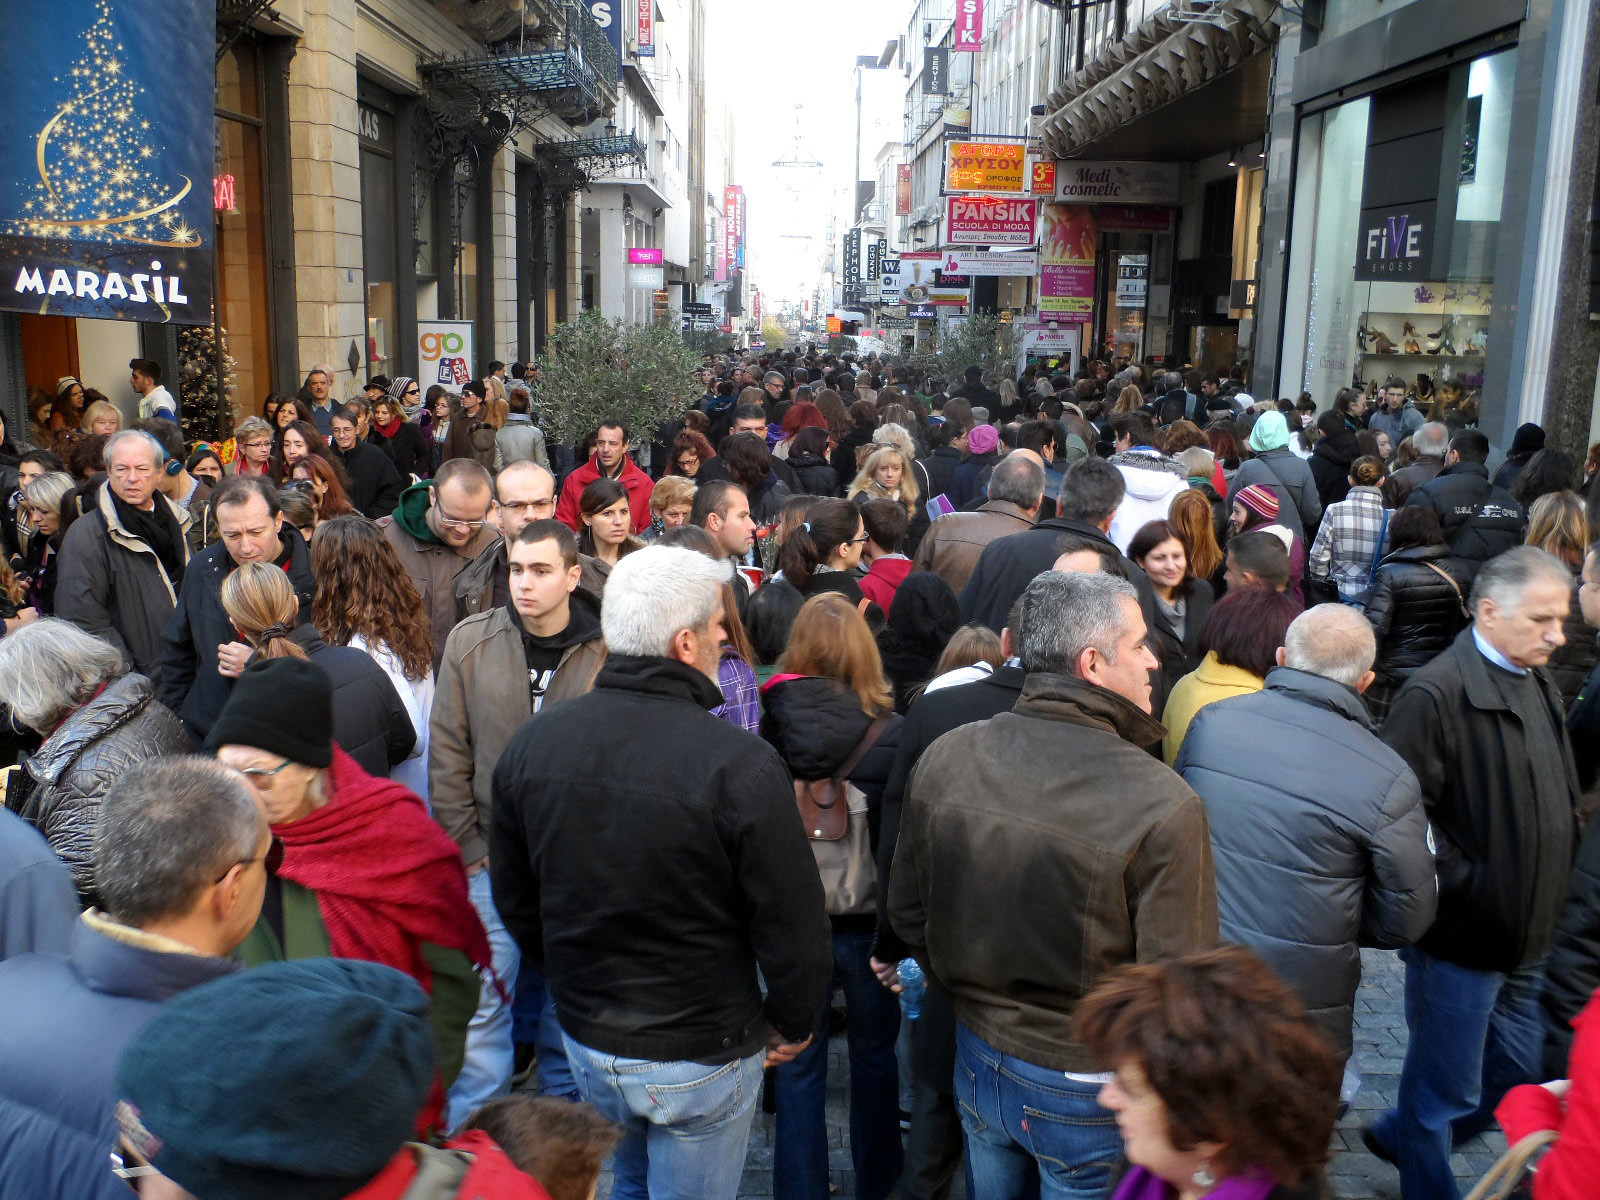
column 272, row 859
column 298, row 485
column 120, row 1168
column 522, row 506
column 411, row 391
column 261, row 773
column 453, row 523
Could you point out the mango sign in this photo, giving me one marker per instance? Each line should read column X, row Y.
column 986, row 167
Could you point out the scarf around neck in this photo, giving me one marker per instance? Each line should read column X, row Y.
column 157, row 528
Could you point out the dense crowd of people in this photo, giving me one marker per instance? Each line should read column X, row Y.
column 400, row 796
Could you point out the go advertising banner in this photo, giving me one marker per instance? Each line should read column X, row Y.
column 444, row 354
column 106, row 161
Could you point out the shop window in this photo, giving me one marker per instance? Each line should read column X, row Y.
column 239, row 204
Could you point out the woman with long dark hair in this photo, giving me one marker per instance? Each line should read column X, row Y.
column 605, row 539
column 1183, row 601
column 823, row 552
column 296, row 441
column 328, row 496
column 365, row 600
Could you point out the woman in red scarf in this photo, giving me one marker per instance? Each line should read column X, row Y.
column 366, row 872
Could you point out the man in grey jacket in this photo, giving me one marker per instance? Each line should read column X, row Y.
column 1317, row 828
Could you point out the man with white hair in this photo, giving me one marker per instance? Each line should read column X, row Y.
column 1483, row 728
column 1317, row 828
column 1431, row 441
column 650, row 859
column 123, row 561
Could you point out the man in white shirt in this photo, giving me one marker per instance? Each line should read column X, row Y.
column 154, row 400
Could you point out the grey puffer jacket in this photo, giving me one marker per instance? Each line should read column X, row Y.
column 69, row 775
column 1311, row 863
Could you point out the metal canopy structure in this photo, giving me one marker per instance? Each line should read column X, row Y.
column 1164, row 59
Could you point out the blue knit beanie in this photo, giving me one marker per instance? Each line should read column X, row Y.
column 293, row 1079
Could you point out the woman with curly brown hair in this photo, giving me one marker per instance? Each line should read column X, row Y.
column 327, row 493
column 1222, row 1086
column 366, row 600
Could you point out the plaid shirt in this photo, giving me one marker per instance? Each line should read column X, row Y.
column 1347, row 545
column 741, row 695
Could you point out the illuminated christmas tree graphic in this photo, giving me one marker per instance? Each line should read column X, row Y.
column 96, row 157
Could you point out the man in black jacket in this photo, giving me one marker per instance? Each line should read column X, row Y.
column 199, row 637
column 375, row 484
column 1479, row 519
column 651, row 890
column 1482, row 728
column 1091, row 492
column 982, row 397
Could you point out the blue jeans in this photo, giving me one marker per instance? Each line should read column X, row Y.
column 686, row 1126
column 800, row 1145
column 1031, row 1131
column 1474, row 1035
column 533, row 1019
column 490, row 1057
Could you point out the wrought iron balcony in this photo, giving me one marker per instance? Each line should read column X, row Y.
column 599, row 155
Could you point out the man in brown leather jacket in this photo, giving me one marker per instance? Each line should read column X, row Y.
column 1039, row 850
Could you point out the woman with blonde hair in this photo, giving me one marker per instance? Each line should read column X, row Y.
column 362, row 601
column 370, row 724
column 1129, row 399
column 101, row 417
column 252, row 441
column 828, row 713
column 1559, row 524
column 887, row 475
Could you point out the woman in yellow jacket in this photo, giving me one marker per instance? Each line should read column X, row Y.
column 1240, row 643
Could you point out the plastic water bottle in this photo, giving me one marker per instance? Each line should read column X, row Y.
column 913, row 987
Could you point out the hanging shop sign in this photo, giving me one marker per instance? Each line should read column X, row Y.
column 1044, row 177
column 852, row 265
column 1067, row 240
column 873, row 280
column 104, row 210
column 936, row 71
column 989, row 221
column 967, row 33
column 733, row 228
column 645, row 256
column 445, row 352
column 606, row 16
column 902, row 190
column 941, row 294
column 922, row 312
column 991, row 166
column 1085, row 181
column 647, row 28
column 649, row 278
column 987, row 262
column 890, row 286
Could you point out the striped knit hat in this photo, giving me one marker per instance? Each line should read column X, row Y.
column 1261, row 500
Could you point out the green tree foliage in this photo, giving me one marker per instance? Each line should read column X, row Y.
column 982, row 339
column 595, row 368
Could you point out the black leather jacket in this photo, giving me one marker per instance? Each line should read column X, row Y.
column 1415, row 613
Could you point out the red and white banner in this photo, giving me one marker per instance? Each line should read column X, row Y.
column 968, row 32
column 733, row 228
column 987, row 221
column 647, row 28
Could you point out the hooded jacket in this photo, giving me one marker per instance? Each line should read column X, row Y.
column 483, row 698
column 1415, row 614
column 111, row 584
column 1490, row 751
column 88, row 752
column 924, row 617
column 1051, row 808
column 707, row 873
column 432, row 564
column 1299, row 507
column 191, row 685
column 1153, row 481
column 67, row 1022
column 1311, row 864
column 814, row 474
column 1480, row 520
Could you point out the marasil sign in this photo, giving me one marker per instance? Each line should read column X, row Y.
column 988, row 221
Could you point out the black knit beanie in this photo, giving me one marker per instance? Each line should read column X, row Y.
column 283, row 706
column 294, row 1079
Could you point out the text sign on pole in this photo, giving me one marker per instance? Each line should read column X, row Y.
column 935, row 71
column 107, row 193
column 988, row 262
column 967, row 35
column 645, row 256
column 973, row 220
column 647, row 28
column 1067, row 244
column 1080, row 181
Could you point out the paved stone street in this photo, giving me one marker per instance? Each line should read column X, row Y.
column 1356, row 1175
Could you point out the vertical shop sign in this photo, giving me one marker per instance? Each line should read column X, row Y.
column 902, row 190
column 606, row 16
column 1067, row 241
column 968, row 31
column 733, row 229
column 104, row 210
column 936, row 71
column 647, row 28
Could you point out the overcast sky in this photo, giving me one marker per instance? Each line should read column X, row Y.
column 804, row 56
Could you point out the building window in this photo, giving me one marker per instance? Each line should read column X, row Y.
column 239, row 194
column 380, row 215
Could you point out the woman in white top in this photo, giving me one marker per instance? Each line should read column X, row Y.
column 366, row 600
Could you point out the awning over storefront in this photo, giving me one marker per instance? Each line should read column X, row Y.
column 1167, row 58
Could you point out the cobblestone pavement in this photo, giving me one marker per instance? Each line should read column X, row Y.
column 1380, row 1043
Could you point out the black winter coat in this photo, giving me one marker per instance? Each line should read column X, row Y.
column 844, row 454
column 370, row 722
column 407, row 450
column 968, row 475
column 1572, row 972
column 815, row 474
column 375, row 482
column 1330, row 467
column 69, row 775
column 1570, row 665
column 1491, row 754
column 1415, row 613
column 1180, row 655
column 651, row 886
column 191, row 686
column 938, row 468
column 1479, row 519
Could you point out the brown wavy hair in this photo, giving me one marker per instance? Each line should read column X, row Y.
column 260, row 601
column 335, row 502
column 831, row 639
column 1193, row 520
column 1229, row 1050
column 362, row 590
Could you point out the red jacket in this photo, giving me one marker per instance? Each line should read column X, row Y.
column 1570, row 1168
column 637, row 484
column 492, row 1176
column 883, row 579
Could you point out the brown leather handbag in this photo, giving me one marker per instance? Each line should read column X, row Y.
column 823, row 803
